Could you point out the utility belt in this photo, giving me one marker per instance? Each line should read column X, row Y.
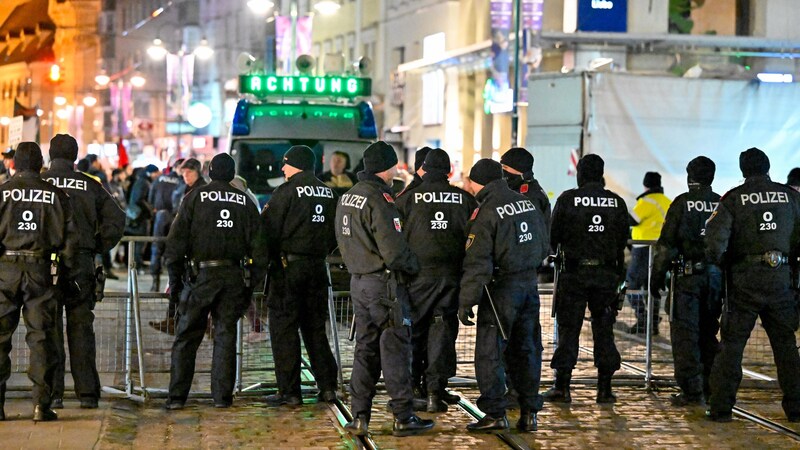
column 245, row 263
column 686, row 268
column 772, row 258
column 35, row 257
column 571, row 264
column 287, row 258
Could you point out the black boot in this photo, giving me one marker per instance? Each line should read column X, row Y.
column 412, row 425
column 604, row 394
column 435, row 404
column 559, row 393
column 527, row 421
column 43, row 414
column 358, row 426
column 489, row 424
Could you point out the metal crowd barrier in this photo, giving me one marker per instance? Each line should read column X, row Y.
column 134, row 357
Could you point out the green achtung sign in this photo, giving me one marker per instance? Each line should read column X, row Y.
column 333, row 86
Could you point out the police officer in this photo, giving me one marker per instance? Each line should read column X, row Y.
column 36, row 222
column 518, row 172
column 160, row 198
column 506, row 242
column 590, row 227
column 369, row 233
column 757, row 228
column 213, row 234
column 100, row 227
column 695, row 299
column 435, row 216
column 419, row 159
column 647, row 219
column 298, row 226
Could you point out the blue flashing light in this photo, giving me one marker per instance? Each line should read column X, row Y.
column 241, row 124
column 366, row 128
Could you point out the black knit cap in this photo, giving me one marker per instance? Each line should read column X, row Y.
column 701, row 170
column 63, row 146
column 518, row 159
column 148, row 169
column 300, row 157
column 590, row 169
column 28, row 157
column 419, row 157
column 753, row 162
column 192, row 164
column 379, row 157
column 437, row 161
column 485, row 171
column 652, row 180
column 794, row 177
column 222, row 168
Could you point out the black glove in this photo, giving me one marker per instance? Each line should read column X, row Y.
column 464, row 314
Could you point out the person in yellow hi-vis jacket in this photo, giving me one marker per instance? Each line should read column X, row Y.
column 647, row 218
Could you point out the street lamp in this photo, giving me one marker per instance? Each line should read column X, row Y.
column 327, row 7
column 260, row 7
column 137, row 80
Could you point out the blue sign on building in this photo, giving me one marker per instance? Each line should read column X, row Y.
column 603, row 15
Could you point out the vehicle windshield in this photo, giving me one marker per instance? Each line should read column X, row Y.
column 259, row 161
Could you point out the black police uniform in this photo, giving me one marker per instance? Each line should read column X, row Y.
column 161, row 199
column 213, row 232
column 755, row 218
column 590, row 224
column 36, row 221
column 695, row 303
column 298, row 226
column 507, row 240
column 100, row 227
column 435, row 216
column 530, row 187
column 369, row 233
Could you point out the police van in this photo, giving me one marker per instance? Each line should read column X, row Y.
column 326, row 113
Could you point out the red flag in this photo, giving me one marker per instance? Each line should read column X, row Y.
column 123, row 155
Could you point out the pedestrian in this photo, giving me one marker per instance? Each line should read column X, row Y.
column 96, row 170
column 369, row 233
column 160, row 197
column 37, row 228
column 695, row 301
column 589, row 229
column 646, row 221
column 99, row 229
column 754, row 234
column 506, row 242
column 434, row 218
column 217, row 281
column 518, row 171
column 297, row 224
column 419, row 159
column 8, row 165
column 139, row 211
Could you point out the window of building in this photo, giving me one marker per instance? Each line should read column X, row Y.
column 433, row 98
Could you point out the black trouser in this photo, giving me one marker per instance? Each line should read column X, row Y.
column 80, row 330
column 636, row 279
column 161, row 226
column 693, row 330
column 595, row 287
column 298, row 299
column 517, row 303
column 218, row 291
column 434, row 328
column 26, row 284
column 381, row 344
column 776, row 305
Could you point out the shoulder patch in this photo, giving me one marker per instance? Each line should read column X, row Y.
column 470, row 240
column 388, row 197
column 474, row 213
column 397, row 225
column 523, row 189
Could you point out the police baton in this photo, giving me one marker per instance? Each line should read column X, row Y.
column 672, row 296
column 496, row 316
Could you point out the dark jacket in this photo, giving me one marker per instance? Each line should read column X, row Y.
column 435, row 218
column 591, row 222
column 369, row 230
column 299, row 217
column 161, row 191
column 754, row 218
column 139, row 208
column 36, row 216
column 100, row 222
column 506, row 237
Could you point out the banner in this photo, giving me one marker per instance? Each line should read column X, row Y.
column 497, row 94
column 283, row 39
column 180, row 77
column 532, row 12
